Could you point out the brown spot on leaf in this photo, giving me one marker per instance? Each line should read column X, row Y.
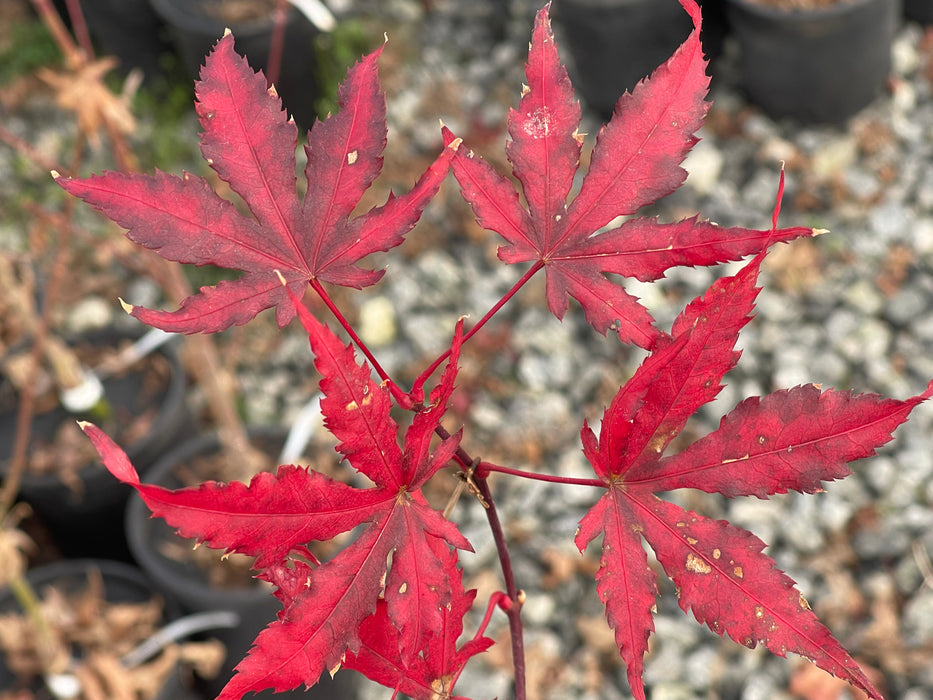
column 697, row 565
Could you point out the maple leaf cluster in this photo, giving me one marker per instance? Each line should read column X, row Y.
column 392, row 603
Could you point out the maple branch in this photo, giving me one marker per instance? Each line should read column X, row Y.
column 277, row 42
column 515, row 596
column 417, row 390
column 79, row 27
column 73, row 55
column 485, row 467
column 401, row 398
column 29, row 151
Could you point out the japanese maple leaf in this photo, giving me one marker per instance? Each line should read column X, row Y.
column 794, row 439
column 433, row 673
column 635, row 162
column 276, row 515
column 250, row 143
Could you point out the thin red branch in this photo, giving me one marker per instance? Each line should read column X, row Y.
column 401, row 398
column 516, row 597
column 485, row 467
column 74, row 57
column 30, row 152
column 277, row 42
column 417, row 391
column 79, row 26
column 514, row 613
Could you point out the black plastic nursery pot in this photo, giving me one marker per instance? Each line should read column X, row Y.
column 919, row 11
column 196, row 25
column 122, row 583
column 190, row 584
column 616, row 43
column 820, row 64
column 86, row 518
column 129, row 30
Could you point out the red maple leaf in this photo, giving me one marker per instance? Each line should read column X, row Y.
column 794, row 439
column 433, row 673
column 250, row 143
column 276, row 515
column 635, row 162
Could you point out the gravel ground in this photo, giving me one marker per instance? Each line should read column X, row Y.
column 851, row 310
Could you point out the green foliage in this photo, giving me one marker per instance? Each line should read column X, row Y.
column 32, row 47
column 335, row 52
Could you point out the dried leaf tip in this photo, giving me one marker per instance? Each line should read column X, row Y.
column 84, row 425
column 227, row 31
column 820, row 231
column 455, row 144
column 55, row 174
column 127, row 307
column 272, row 91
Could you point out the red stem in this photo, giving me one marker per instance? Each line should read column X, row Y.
column 517, row 597
column 401, row 398
column 74, row 57
column 30, row 152
column 485, row 467
column 277, row 42
column 417, row 388
column 79, row 26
